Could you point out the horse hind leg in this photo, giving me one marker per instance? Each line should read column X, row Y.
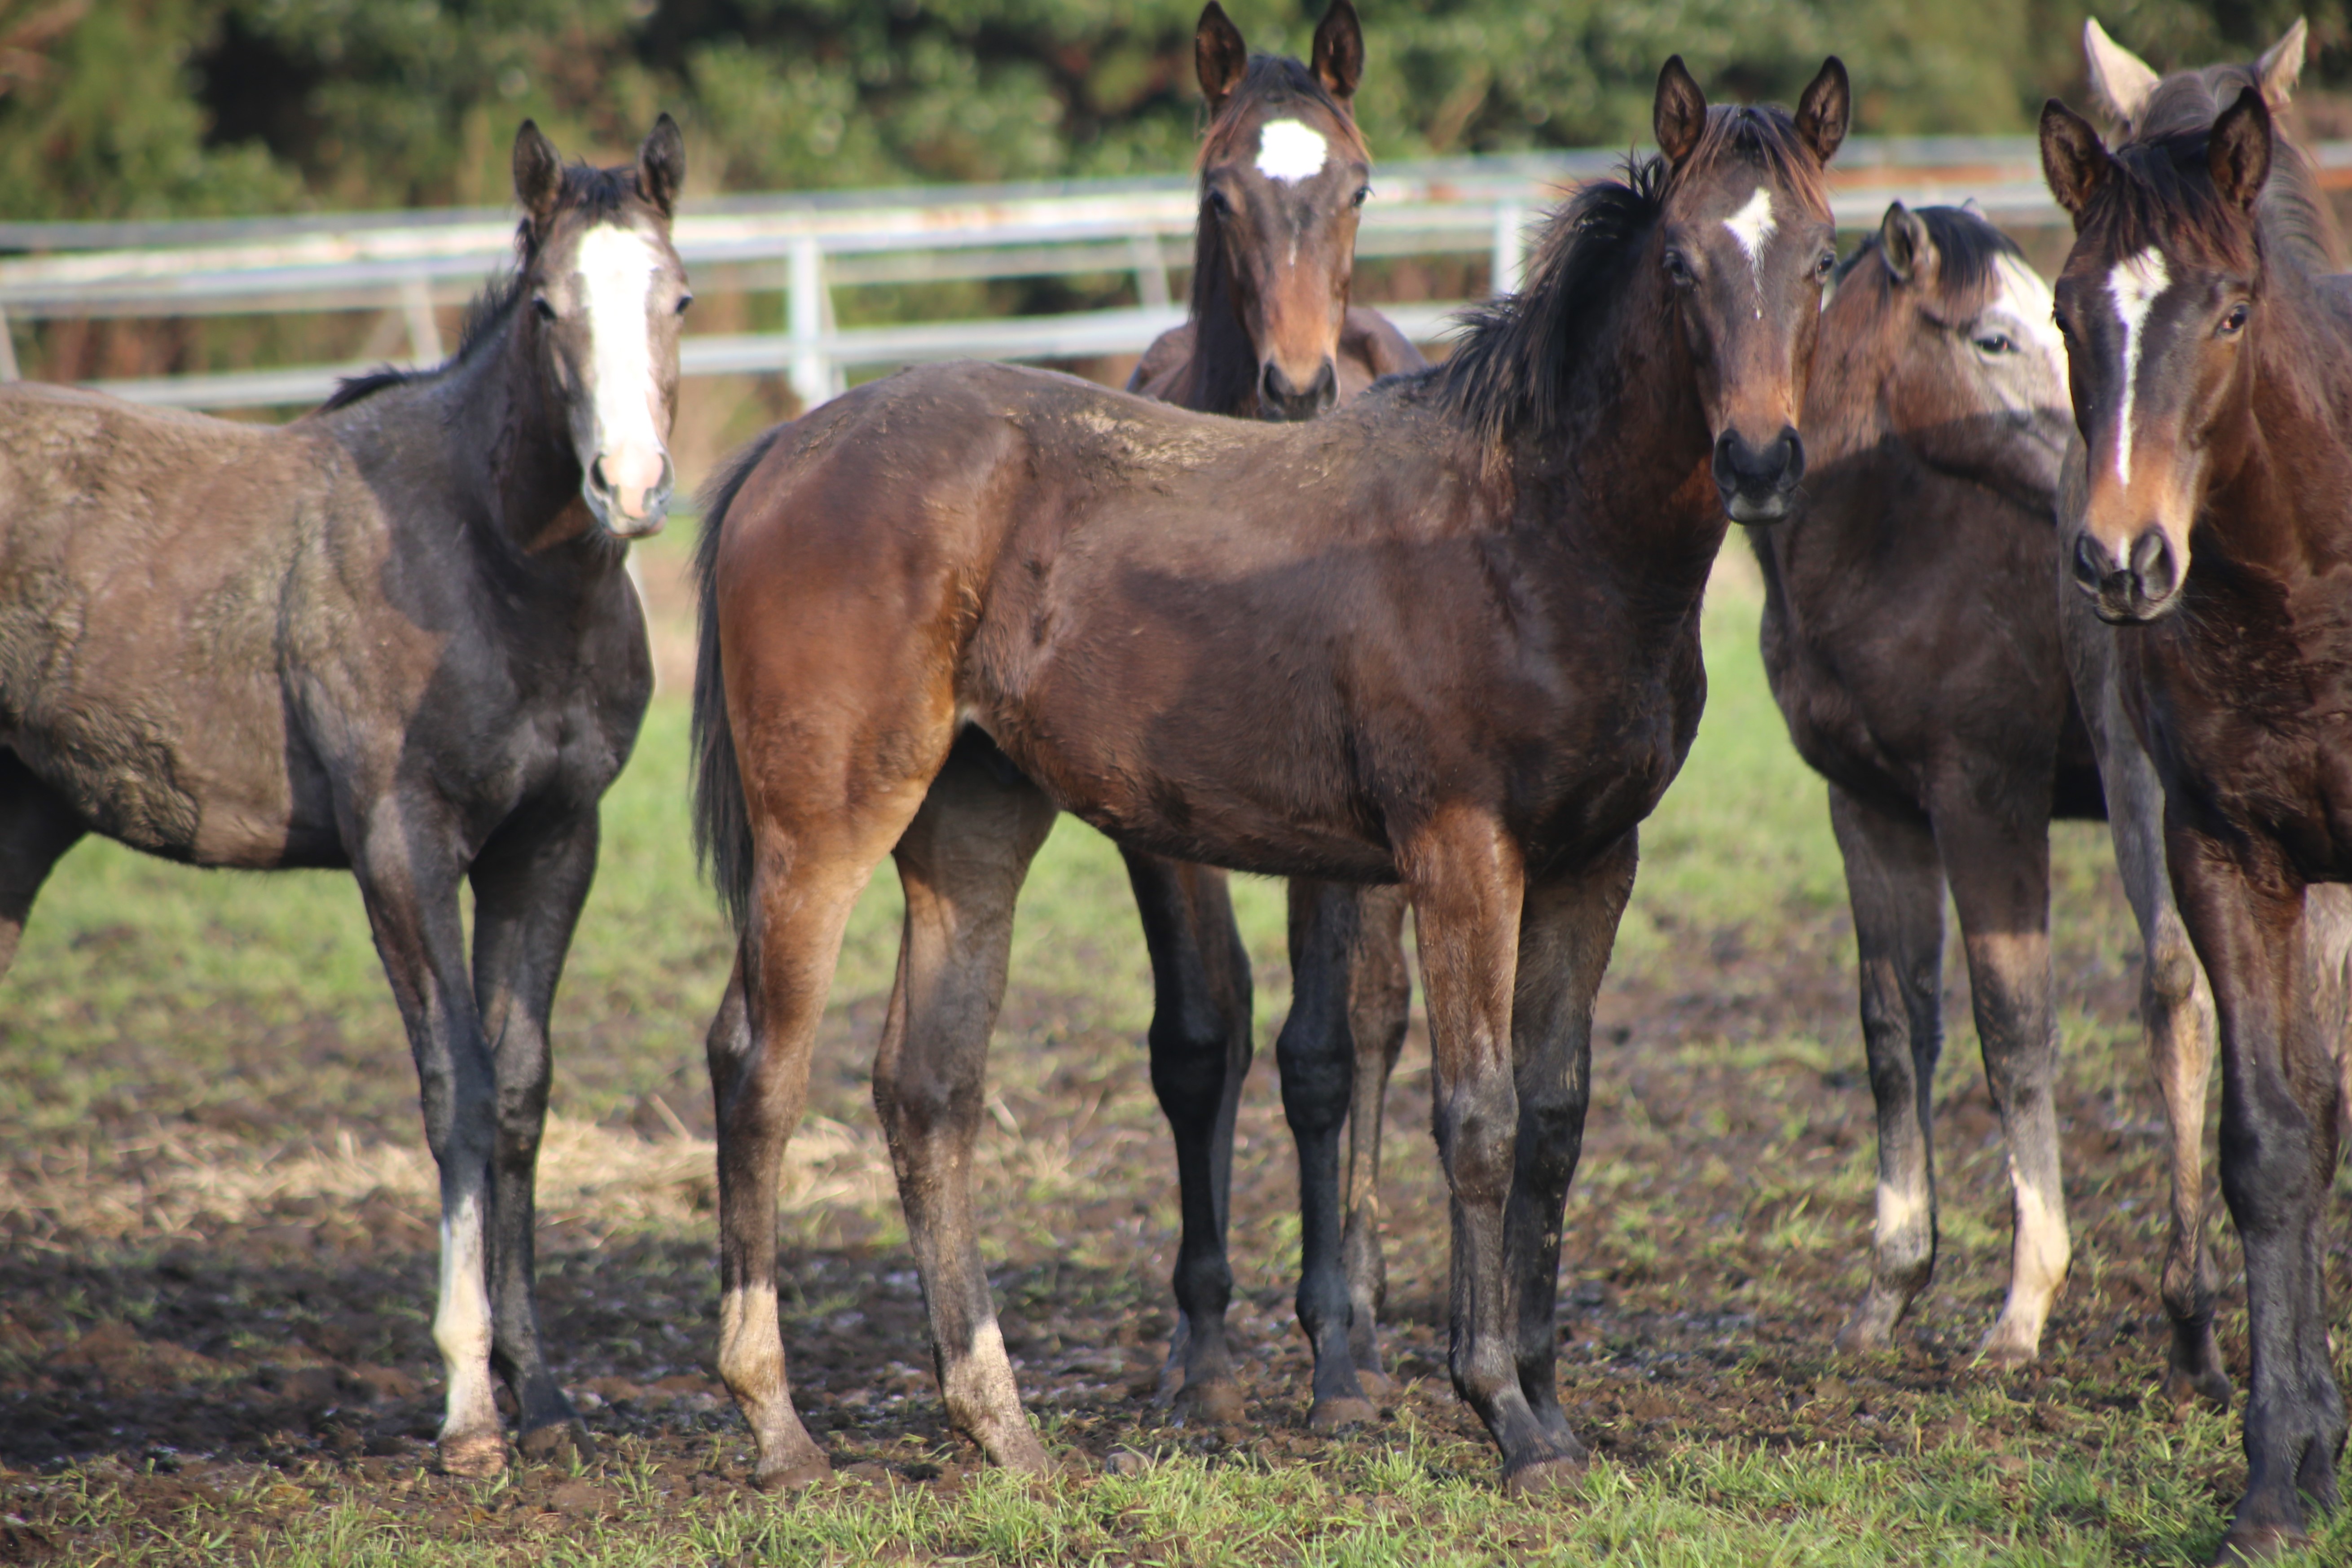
column 961, row 861
column 36, row 827
column 1895, row 885
column 1380, row 999
column 1200, row 1049
column 1318, row 1058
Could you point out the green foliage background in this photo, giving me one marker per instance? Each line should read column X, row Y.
column 150, row 107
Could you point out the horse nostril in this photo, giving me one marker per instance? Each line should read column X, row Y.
column 2090, row 561
column 2152, row 564
column 1792, row 465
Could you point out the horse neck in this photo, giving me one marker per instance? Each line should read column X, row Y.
column 514, row 447
column 2284, row 507
column 1624, row 477
column 1845, row 418
column 1222, row 377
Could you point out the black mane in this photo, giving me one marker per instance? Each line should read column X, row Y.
column 1967, row 247
column 595, row 194
column 1520, row 356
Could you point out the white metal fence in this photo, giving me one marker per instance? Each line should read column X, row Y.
column 812, row 246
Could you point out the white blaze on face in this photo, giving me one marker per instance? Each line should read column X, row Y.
column 1290, row 151
column 617, row 269
column 1752, row 226
column 2135, row 283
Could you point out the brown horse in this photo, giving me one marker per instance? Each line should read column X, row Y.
column 396, row 636
column 1912, row 643
column 1446, row 635
column 2208, row 350
column 1274, row 252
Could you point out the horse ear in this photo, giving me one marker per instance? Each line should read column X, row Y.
column 1679, row 116
column 1824, row 109
column 2282, row 66
column 2119, row 79
column 537, row 172
column 1219, row 55
column 1909, row 248
column 661, row 165
column 2073, row 158
column 1340, row 50
column 2238, row 154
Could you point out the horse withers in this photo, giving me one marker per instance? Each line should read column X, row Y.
column 1912, row 645
column 943, row 607
column 2208, row 348
column 1283, row 172
column 397, row 636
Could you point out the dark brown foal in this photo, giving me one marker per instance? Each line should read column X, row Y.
column 952, row 602
column 1282, row 175
column 2211, row 367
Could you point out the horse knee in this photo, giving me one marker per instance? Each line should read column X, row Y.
column 2171, row 968
column 1477, row 1134
column 1317, row 1074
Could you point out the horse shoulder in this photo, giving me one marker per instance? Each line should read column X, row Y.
column 1161, row 368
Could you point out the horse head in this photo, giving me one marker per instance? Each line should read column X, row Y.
column 1944, row 340
column 607, row 291
column 1747, row 245
column 2160, row 305
column 1283, row 174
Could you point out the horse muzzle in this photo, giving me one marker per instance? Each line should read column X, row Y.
column 1758, row 484
column 1282, row 400
column 629, row 496
column 2128, row 593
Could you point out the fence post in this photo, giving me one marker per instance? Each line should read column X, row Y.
column 8, row 370
column 424, row 331
column 1150, row 271
column 811, row 377
column 1510, row 218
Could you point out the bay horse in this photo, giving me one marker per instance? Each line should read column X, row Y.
column 1912, row 645
column 395, row 637
column 956, row 601
column 1284, row 173
column 2207, row 347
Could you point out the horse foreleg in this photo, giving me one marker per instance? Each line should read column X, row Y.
column 1201, row 1049
column 529, row 884
column 2279, row 1095
column 2176, row 1009
column 1896, row 888
column 413, row 908
column 36, row 827
column 2000, row 877
column 1465, row 878
column 1317, row 1059
column 1566, row 934
column 1380, row 1001
column 961, row 861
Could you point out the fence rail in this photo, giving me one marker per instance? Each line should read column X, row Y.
column 808, row 247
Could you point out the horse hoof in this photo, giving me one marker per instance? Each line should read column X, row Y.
column 1341, row 1415
column 793, row 1473
column 2210, row 1387
column 475, row 1458
column 1540, row 1476
column 1378, row 1386
column 1865, row 1333
column 558, row 1443
column 1208, row 1404
column 2005, row 1355
column 2259, row 1543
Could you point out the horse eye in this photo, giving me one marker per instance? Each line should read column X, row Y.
column 1678, row 269
column 1217, row 202
column 683, row 301
column 1995, row 343
column 546, row 311
column 1824, row 266
column 2235, row 321
column 2058, row 319
column 1361, row 192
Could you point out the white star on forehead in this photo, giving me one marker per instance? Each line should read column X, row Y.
column 1752, row 226
column 2135, row 283
column 1289, row 151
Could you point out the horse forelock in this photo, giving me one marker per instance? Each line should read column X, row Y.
column 1274, row 83
column 589, row 195
column 2160, row 194
column 2164, row 154
column 1757, row 137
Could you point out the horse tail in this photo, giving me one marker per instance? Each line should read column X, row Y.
column 722, row 825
